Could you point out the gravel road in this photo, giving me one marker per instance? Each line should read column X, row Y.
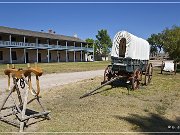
column 51, row 80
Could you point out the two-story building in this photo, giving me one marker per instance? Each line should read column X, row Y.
column 26, row 46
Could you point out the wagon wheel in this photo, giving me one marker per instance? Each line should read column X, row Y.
column 137, row 77
column 162, row 66
column 108, row 73
column 148, row 74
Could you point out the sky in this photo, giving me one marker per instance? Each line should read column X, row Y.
column 85, row 20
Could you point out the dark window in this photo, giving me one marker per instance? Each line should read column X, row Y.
column 49, row 56
column 68, row 56
column 14, row 56
column 59, row 56
column 1, row 55
column 39, row 41
column 26, row 40
column 0, row 38
column 13, row 39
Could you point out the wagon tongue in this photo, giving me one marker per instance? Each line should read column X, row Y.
column 92, row 91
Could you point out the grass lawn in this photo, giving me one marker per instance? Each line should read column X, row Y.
column 63, row 66
column 152, row 108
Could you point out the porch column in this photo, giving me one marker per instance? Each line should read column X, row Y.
column 57, row 51
column 66, row 52
column 48, row 50
column 10, row 54
column 24, row 50
column 74, row 52
column 37, row 55
column 48, row 55
column 37, row 42
column 81, row 52
column 87, row 53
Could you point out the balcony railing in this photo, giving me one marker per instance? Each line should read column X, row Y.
column 41, row 46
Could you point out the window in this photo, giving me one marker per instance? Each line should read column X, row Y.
column 26, row 40
column 68, row 56
column 13, row 39
column 0, row 38
column 49, row 56
column 1, row 55
column 14, row 56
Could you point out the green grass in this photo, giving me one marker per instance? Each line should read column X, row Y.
column 63, row 66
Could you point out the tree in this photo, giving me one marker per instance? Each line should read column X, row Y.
column 157, row 41
column 172, row 42
column 169, row 40
column 103, row 42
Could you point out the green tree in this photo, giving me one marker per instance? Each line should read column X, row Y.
column 172, row 42
column 103, row 42
column 156, row 41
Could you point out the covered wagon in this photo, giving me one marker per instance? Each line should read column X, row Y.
column 129, row 59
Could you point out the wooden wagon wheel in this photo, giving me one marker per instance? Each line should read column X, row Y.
column 137, row 77
column 148, row 74
column 108, row 73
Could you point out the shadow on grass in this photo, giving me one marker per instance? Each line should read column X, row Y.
column 151, row 123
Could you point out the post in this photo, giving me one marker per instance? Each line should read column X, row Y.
column 24, row 55
column 57, row 51
column 87, row 53
column 37, row 56
column 81, row 52
column 74, row 52
column 48, row 55
column 36, row 41
column 10, row 55
column 66, row 52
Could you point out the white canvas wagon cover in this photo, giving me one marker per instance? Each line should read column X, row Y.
column 136, row 48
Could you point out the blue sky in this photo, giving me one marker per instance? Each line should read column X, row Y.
column 86, row 19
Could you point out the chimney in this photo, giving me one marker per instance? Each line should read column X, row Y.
column 50, row 31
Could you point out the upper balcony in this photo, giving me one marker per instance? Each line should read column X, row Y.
column 8, row 44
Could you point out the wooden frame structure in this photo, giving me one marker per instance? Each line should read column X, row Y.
column 19, row 110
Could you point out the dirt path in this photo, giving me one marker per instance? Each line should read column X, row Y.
column 51, row 80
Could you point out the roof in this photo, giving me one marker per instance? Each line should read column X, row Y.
column 30, row 33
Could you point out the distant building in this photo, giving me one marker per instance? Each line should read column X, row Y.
column 25, row 46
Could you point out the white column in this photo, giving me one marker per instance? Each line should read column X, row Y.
column 74, row 52
column 81, row 52
column 58, row 55
column 37, row 56
column 10, row 55
column 66, row 53
column 48, row 50
column 57, row 51
column 24, row 50
column 24, row 55
column 48, row 55
column 37, row 42
column 87, row 52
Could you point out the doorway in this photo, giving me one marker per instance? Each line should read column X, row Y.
column 122, row 47
column 27, row 57
column 39, row 57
